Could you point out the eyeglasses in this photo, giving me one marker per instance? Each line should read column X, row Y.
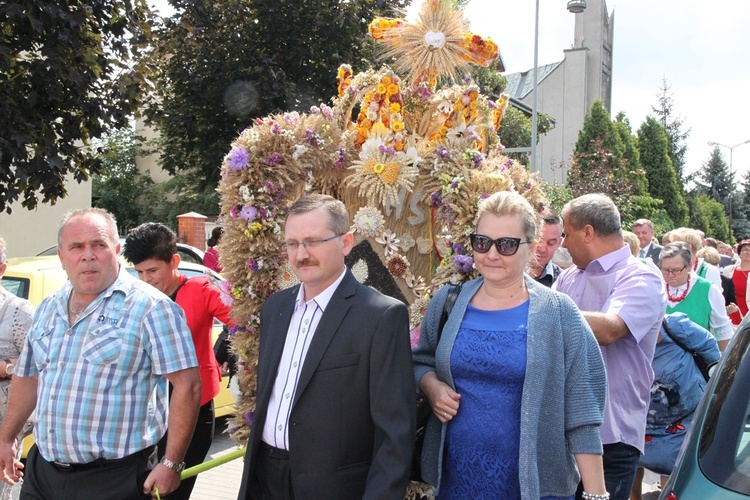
column 293, row 246
column 672, row 272
column 505, row 246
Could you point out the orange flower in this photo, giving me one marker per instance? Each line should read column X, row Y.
column 392, row 89
column 473, row 94
column 386, row 80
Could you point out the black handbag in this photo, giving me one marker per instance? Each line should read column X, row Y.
column 703, row 365
column 423, row 405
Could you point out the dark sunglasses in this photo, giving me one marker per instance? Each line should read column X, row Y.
column 505, row 246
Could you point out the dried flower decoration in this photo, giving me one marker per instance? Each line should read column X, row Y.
column 382, row 176
column 369, row 222
column 397, row 265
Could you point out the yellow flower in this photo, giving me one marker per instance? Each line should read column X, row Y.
column 397, row 126
column 381, row 89
column 389, row 173
column 256, row 227
column 378, row 168
column 395, row 107
column 392, row 89
column 386, row 80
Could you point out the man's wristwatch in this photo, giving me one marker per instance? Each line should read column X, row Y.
column 177, row 467
column 10, row 368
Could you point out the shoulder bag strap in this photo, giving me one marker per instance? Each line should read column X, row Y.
column 676, row 340
column 450, row 301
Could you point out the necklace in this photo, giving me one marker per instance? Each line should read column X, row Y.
column 682, row 296
column 521, row 289
column 72, row 310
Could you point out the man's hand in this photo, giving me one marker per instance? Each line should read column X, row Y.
column 9, row 466
column 163, row 478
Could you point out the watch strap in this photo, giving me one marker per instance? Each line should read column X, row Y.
column 177, row 467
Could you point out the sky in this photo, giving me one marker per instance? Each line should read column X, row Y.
column 699, row 47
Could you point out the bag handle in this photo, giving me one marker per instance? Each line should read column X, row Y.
column 450, row 301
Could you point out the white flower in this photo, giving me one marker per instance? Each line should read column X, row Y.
column 412, row 156
column 407, row 242
column 299, row 150
column 415, row 283
column 459, row 131
column 372, row 115
column 368, row 221
column 360, row 271
column 389, row 240
column 445, row 107
column 371, row 147
column 246, row 195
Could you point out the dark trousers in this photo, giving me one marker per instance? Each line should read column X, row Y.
column 120, row 479
column 272, row 479
column 620, row 463
column 197, row 450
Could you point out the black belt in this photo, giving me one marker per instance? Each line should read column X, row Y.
column 271, row 452
column 103, row 462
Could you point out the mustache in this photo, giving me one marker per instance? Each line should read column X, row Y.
column 307, row 262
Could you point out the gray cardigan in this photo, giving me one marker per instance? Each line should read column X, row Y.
column 562, row 404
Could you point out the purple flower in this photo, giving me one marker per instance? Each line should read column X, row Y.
column 327, row 111
column 443, row 153
column 234, row 212
column 248, row 213
column 253, row 264
column 249, row 417
column 458, row 249
column 314, row 109
column 463, row 263
column 274, row 159
column 436, row 199
column 342, row 158
column 492, row 104
column 478, row 159
column 276, row 129
column 312, row 137
column 386, row 150
column 238, row 158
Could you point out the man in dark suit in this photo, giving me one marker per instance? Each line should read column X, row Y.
column 335, row 407
column 644, row 230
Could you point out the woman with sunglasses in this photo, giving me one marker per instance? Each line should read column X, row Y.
column 695, row 296
column 516, row 382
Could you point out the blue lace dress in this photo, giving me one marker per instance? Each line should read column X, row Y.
column 488, row 363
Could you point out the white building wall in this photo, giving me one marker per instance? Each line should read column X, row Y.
column 28, row 232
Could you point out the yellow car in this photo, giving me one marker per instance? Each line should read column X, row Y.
column 34, row 278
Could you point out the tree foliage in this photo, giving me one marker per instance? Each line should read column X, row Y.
column 715, row 181
column 515, row 131
column 69, row 71
column 662, row 179
column 120, row 188
column 708, row 216
column 673, row 124
column 228, row 61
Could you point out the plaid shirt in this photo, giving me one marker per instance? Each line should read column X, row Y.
column 101, row 390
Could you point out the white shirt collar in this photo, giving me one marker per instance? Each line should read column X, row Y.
column 324, row 297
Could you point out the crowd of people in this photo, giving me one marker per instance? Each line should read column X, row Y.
column 561, row 372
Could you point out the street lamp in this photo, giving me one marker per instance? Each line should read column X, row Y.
column 731, row 148
column 574, row 7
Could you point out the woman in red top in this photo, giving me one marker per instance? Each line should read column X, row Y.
column 211, row 258
column 739, row 275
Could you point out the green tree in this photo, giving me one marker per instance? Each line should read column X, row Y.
column 597, row 133
column 120, row 188
column 69, row 71
column 662, row 179
column 515, row 131
column 715, row 180
column 673, row 124
column 711, row 218
column 228, row 61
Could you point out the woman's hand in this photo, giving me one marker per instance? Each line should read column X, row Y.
column 443, row 399
column 732, row 308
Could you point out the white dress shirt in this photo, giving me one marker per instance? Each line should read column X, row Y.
column 301, row 330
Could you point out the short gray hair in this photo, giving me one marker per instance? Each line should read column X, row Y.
column 108, row 218
column 338, row 216
column 643, row 222
column 596, row 210
column 3, row 252
column 677, row 249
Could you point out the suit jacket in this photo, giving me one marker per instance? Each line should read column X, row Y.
column 654, row 253
column 352, row 422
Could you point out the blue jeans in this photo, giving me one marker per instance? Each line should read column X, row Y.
column 620, row 463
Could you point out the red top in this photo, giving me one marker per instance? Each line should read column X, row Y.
column 201, row 301
column 211, row 259
column 739, row 278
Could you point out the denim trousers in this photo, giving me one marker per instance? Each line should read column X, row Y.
column 620, row 463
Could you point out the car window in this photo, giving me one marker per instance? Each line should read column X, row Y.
column 724, row 450
column 187, row 256
column 17, row 286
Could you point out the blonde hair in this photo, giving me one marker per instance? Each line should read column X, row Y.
column 690, row 236
column 632, row 240
column 710, row 255
column 511, row 203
